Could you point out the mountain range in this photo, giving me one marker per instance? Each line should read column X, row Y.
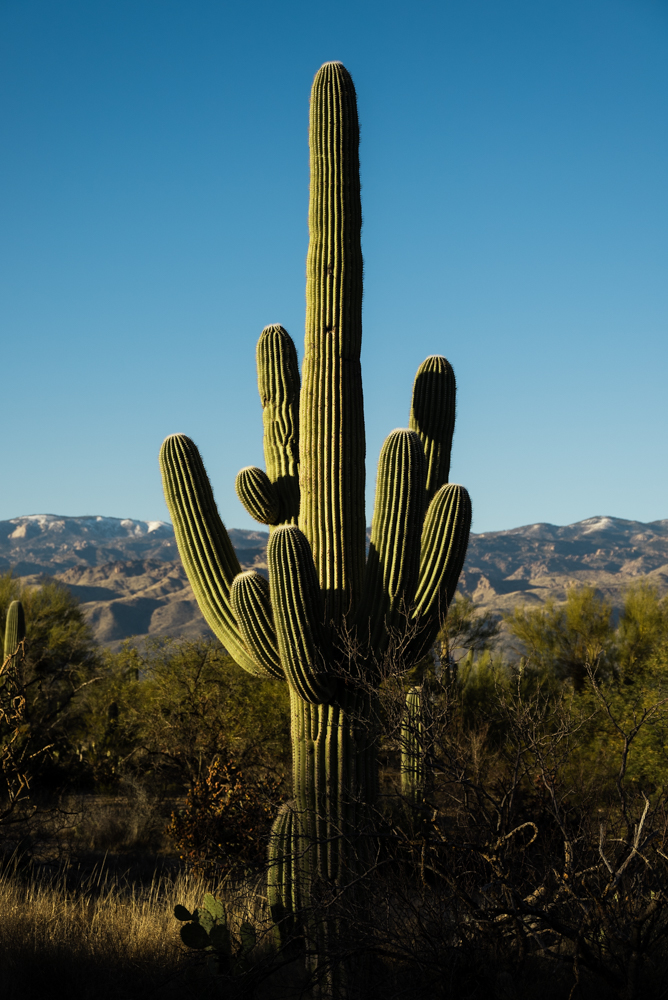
column 129, row 578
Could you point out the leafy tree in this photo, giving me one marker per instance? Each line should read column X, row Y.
column 642, row 635
column 620, row 677
column 564, row 640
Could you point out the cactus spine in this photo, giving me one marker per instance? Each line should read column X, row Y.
column 312, row 497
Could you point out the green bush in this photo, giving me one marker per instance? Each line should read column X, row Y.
column 174, row 707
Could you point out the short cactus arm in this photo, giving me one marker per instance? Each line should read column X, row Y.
column 258, row 495
column 393, row 564
column 249, row 598
column 278, row 384
column 298, row 614
column 15, row 628
column 332, row 447
column 433, row 417
column 204, row 545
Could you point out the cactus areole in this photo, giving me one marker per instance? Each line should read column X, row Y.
column 326, row 604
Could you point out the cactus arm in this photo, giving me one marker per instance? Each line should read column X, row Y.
column 258, row 495
column 205, row 548
column 249, row 599
column 298, row 614
column 332, row 447
column 433, row 417
column 393, row 564
column 445, row 537
column 278, row 385
column 15, row 628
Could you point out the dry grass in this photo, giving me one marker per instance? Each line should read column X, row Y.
column 98, row 938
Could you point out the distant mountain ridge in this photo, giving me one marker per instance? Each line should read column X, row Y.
column 131, row 583
column 48, row 543
column 540, row 561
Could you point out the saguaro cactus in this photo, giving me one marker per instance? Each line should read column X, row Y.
column 413, row 749
column 15, row 629
column 312, row 496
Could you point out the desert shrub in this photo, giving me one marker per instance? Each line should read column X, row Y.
column 563, row 639
column 182, row 718
column 173, row 707
column 642, row 634
column 227, row 818
column 539, row 864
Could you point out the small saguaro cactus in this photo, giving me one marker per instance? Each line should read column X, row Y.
column 321, row 587
column 413, row 749
column 15, row 629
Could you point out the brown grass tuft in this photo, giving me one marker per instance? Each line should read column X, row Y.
column 98, row 938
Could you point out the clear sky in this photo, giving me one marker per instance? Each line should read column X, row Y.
column 154, row 196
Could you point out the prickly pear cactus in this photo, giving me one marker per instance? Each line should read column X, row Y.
column 205, row 929
column 324, row 598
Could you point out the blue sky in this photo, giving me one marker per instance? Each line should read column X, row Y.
column 154, row 204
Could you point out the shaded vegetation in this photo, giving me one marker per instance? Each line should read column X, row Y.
column 534, row 864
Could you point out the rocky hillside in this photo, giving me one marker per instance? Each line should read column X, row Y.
column 129, row 579
column 126, row 573
column 540, row 561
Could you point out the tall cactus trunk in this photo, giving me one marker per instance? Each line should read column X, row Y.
column 332, row 445
column 335, row 782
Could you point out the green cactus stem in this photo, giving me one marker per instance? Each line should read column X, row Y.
column 332, row 445
column 433, row 417
column 278, row 384
column 15, row 629
column 283, row 876
column 413, row 763
column 251, row 606
column 393, row 564
column 258, row 495
column 328, row 614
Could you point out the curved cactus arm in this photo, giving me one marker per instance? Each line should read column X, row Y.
column 331, row 439
column 15, row 628
column 258, row 494
column 249, row 599
column 393, row 564
column 433, row 417
column 445, row 538
column 298, row 614
column 278, row 384
column 205, row 548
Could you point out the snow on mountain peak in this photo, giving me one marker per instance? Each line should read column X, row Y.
column 31, row 525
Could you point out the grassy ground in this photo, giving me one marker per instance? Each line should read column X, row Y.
column 98, row 936
column 93, row 937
